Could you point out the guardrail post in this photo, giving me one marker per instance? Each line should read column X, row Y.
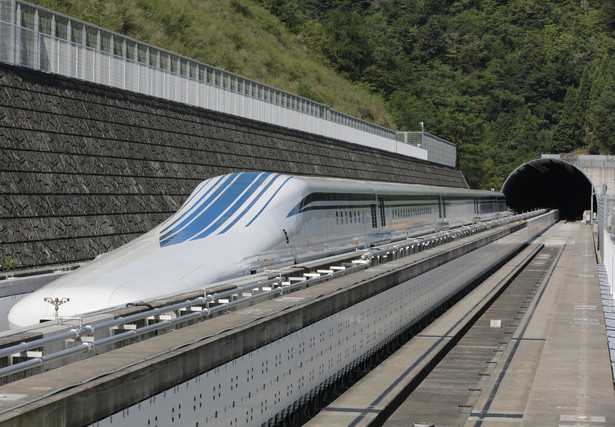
column 16, row 47
column 8, row 14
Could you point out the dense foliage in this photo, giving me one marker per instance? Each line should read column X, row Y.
column 505, row 80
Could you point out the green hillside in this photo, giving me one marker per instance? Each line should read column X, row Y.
column 238, row 36
column 504, row 80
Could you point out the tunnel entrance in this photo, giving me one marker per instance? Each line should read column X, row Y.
column 549, row 183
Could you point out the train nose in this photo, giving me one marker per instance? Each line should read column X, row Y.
column 30, row 310
column 71, row 302
column 40, row 306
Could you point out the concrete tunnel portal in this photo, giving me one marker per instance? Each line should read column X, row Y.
column 549, row 183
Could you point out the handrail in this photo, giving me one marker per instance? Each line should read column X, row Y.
column 204, row 312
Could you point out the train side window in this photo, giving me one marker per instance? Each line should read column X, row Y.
column 374, row 219
column 383, row 220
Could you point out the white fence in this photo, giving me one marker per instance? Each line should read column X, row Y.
column 439, row 150
column 608, row 248
column 38, row 38
column 606, row 234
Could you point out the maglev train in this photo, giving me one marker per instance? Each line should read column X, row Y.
column 234, row 225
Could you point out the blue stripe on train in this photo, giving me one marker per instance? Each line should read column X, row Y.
column 185, row 221
column 233, row 208
column 251, row 204
column 202, row 197
column 200, row 223
column 269, row 201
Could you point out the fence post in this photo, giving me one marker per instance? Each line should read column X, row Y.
column 16, row 20
column 9, row 16
column 602, row 222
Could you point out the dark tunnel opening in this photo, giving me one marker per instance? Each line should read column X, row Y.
column 549, row 183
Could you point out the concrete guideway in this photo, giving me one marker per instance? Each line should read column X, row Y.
column 372, row 400
column 148, row 375
column 548, row 366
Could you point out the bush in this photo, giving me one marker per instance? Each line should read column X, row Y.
column 8, row 264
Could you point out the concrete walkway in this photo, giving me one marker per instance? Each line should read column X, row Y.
column 557, row 372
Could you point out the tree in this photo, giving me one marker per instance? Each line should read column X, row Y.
column 347, row 43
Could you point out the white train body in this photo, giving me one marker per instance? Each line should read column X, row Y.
column 232, row 221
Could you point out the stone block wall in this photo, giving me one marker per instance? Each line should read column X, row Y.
column 85, row 168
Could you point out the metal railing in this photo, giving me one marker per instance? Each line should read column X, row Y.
column 39, row 38
column 606, row 233
column 606, row 270
column 439, row 150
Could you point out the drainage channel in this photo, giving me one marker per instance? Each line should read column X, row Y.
column 446, row 396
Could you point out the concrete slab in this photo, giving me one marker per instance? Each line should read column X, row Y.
column 559, row 373
column 548, row 364
column 368, row 399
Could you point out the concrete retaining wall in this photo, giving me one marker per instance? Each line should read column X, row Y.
column 86, row 168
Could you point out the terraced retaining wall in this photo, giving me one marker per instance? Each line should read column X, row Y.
column 85, row 168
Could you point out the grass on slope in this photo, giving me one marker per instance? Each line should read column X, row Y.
column 235, row 35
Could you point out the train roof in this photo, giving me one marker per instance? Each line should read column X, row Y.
column 383, row 186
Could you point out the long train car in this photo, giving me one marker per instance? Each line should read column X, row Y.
column 230, row 222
